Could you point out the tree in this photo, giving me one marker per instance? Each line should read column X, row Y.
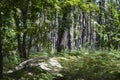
column 1, row 57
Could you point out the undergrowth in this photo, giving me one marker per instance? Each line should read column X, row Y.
column 81, row 65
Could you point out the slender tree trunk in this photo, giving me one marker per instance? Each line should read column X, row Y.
column 24, row 46
column 54, row 32
column 70, row 29
column 91, row 30
column 87, row 31
column 77, row 27
column 100, row 21
column 59, row 40
column 24, row 15
column 118, row 2
column 97, row 35
column 30, row 44
column 56, row 25
column 80, row 28
column 38, row 47
column 62, row 34
column 83, row 29
column 1, row 57
column 19, row 46
column 61, row 31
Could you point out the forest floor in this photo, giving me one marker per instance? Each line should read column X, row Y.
column 77, row 65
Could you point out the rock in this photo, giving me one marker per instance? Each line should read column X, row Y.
column 36, row 65
column 52, row 65
column 31, row 62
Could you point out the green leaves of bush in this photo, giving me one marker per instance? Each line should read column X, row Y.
column 91, row 66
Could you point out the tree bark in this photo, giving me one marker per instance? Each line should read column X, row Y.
column 24, row 15
column 30, row 44
column 1, row 57
column 19, row 46
column 100, row 21
column 83, row 29
column 62, row 33
column 70, row 29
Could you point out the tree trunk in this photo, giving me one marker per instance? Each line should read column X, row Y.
column 1, row 57
column 30, row 44
column 19, row 46
column 77, row 27
column 91, row 41
column 83, row 29
column 62, row 34
column 24, row 16
column 100, row 21
column 70, row 29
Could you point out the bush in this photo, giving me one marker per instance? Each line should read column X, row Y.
column 102, row 65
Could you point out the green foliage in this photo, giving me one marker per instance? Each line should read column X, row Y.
column 10, row 60
column 9, row 40
column 77, row 65
column 91, row 66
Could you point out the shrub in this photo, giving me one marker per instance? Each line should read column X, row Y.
column 101, row 65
